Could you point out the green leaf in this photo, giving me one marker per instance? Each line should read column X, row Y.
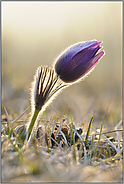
column 88, row 131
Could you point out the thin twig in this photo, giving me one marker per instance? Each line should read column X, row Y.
column 59, row 145
column 110, row 143
column 120, row 122
column 108, row 132
column 53, row 125
column 21, row 114
column 65, row 141
column 118, row 140
column 7, row 115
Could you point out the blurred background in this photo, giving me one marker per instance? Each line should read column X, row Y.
column 35, row 33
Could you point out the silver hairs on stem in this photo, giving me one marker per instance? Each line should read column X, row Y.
column 45, row 87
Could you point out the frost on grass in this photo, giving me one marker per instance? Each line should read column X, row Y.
column 59, row 152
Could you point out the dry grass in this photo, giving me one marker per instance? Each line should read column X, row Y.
column 61, row 152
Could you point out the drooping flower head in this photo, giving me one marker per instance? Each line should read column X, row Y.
column 74, row 63
column 78, row 60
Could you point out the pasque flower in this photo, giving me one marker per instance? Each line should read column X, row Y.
column 78, row 60
column 74, row 63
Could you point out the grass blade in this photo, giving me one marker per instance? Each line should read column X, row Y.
column 99, row 138
column 101, row 130
column 73, row 147
column 88, row 131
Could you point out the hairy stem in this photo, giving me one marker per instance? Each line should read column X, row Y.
column 30, row 128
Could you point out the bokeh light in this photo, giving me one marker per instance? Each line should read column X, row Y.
column 35, row 33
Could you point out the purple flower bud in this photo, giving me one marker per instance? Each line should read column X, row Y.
column 78, row 60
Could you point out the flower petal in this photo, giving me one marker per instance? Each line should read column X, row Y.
column 71, row 51
column 73, row 75
column 77, row 60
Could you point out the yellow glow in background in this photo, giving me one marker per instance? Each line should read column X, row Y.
column 35, row 33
